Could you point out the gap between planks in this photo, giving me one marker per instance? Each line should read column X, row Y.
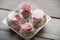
column 13, row 10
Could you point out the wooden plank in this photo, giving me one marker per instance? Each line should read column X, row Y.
column 50, row 7
column 47, row 35
column 9, row 36
column 13, row 36
column 3, row 14
column 51, row 30
column 37, row 38
column 53, row 27
column 10, row 4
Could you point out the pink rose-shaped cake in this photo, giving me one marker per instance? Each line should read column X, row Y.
column 37, row 15
column 27, row 27
column 15, row 16
column 26, row 10
column 17, row 21
column 14, row 20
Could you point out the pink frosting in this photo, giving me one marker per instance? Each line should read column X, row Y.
column 27, row 27
column 14, row 16
column 26, row 7
column 18, row 18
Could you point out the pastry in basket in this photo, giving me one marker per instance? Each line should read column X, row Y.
column 38, row 18
column 14, row 20
column 27, row 29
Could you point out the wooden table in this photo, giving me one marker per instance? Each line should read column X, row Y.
column 50, row 32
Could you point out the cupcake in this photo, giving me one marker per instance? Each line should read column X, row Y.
column 27, row 29
column 37, row 16
column 14, row 20
column 26, row 10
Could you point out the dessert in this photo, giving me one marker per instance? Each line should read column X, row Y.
column 26, row 22
column 26, row 10
column 27, row 29
column 38, row 18
column 14, row 20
